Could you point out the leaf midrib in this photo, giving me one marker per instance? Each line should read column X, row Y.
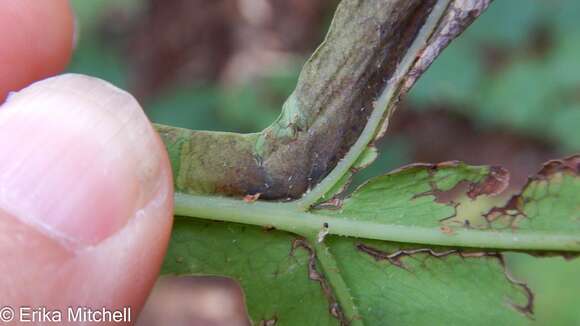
column 287, row 217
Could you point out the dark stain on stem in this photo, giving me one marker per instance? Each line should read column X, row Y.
column 329, row 108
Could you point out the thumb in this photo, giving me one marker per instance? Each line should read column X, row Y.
column 85, row 197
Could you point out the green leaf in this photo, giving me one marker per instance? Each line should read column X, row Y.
column 423, row 286
column 409, row 256
column 403, row 248
column 274, row 276
column 495, row 77
column 283, row 282
column 544, row 216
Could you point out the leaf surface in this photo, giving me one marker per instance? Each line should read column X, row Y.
column 282, row 282
column 404, row 248
column 316, row 274
column 545, row 212
column 274, row 276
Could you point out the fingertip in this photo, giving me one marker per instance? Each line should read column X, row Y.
column 84, row 164
column 36, row 42
column 82, row 159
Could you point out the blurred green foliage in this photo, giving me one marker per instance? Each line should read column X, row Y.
column 94, row 55
column 517, row 68
column 536, row 94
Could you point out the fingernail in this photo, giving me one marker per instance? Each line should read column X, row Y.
column 78, row 158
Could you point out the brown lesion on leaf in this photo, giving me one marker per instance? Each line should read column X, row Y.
column 431, row 170
column 396, row 259
column 317, row 276
column 251, row 198
column 510, row 213
column 447, row 230
column 569, row 165
column 514, row 210
column 492, row 182
column 332, row 204
column 455, row 206
column 495, row 183
column 565, row 255
column 528, row 308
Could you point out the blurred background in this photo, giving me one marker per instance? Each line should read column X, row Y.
column 505, row 93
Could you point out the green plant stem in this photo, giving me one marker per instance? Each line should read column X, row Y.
column 380, row 109
column 282, row 217
column 339, row 287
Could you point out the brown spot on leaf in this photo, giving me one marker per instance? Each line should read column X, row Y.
column 513, row 210
column 252, row 198
column 447, row 230
column 441, row 196
column 495, row 183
